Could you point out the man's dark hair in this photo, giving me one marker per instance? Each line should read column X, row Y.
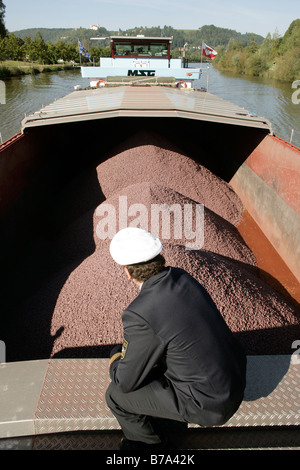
column 142, row 271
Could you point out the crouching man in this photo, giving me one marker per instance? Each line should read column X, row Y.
column 179, row 360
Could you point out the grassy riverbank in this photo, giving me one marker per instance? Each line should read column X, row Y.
column 14, row 68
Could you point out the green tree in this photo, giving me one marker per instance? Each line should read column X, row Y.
column 266, row 49
column 253, row 46
column 29, row 48
column 288, row 58
column 234, row 45
column 70, row 52
column 276, row 41
column 40, row 49
column 98, row 51
column 3, row 30
column 2, row 49
column 13, row 47
column 291, row 38
column 256, row 65
column 53, row 55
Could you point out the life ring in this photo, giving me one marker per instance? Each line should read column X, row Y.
column 100, row 83
column 184, row 85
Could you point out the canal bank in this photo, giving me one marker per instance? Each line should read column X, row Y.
column 10, row 68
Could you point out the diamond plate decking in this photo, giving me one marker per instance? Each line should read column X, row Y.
column 65, row 395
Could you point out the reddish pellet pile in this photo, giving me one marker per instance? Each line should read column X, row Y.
column 86, row 312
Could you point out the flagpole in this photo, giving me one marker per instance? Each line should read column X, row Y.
column 201, row 54
column 79, row 53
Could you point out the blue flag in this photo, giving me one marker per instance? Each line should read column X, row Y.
column 83, row 51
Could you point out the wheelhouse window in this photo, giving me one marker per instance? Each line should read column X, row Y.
column 140, row 48
column 159, row 50
column 122, row 49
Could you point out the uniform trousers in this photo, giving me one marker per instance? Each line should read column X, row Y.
column 134, row 410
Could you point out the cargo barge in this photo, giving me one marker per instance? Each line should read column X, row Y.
column 151, row 143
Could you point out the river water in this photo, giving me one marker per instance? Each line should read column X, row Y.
column 267, row 98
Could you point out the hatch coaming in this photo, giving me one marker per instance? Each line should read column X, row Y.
column 150, row 101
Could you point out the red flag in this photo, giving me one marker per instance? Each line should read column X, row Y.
column 208, row 51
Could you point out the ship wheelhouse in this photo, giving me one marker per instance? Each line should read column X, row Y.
column 141, row 47
column 141, row 56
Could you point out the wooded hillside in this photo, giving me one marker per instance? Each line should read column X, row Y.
column 211, row 34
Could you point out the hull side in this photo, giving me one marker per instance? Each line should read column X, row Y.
column 268, row 183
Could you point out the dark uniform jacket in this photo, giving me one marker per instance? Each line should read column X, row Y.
column 174, row 326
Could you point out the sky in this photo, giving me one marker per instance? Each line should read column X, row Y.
column 255, row 16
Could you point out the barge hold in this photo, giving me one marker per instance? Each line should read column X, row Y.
column 62, row 295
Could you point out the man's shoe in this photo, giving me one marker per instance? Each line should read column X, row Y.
column 127, row 444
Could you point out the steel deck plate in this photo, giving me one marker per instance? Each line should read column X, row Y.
column 66, row 395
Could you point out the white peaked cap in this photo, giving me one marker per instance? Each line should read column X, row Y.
column 133, row 245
